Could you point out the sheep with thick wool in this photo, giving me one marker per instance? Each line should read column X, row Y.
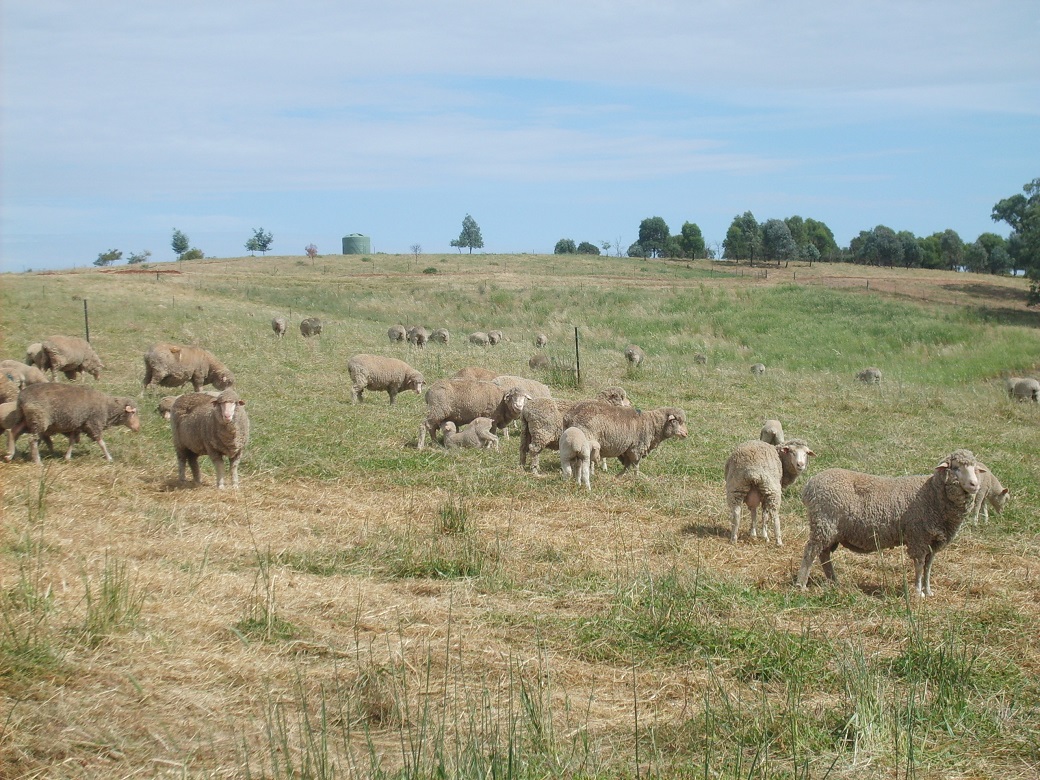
column 215, row 427
column 71, row 356
column 22, row 374
column 756, row 474
column 463, row 400
column 772, row 432
column 380, row 373
column 579, row 454
column 626, row 433
column 173, row 365
column 541, row 423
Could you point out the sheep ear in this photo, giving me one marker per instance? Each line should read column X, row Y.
column 241, row 402
column 1004, row 492
column 980, row 469
column 810, row 453
column 942, row 467
column 129, row 409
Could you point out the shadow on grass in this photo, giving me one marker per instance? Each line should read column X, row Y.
column 704, row 531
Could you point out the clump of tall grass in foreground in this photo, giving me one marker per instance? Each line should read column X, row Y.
column 113, row 601
column 261, row 620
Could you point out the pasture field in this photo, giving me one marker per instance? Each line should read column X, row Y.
column 361, row 608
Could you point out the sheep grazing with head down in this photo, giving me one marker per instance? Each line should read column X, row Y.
column 758, row 369
column 870, row 376
column 418, row 336
column 441, row 336
column 463, row 400
column 311, row 326
column 479, row 338
column 756, row 474
column 279, row 325
column 173, row 365
column 479, row 434
column 1026, row 390
column 539, row 360
column 375, row 372
column 865, row 513
column 495, row 337
column 71, row 356
column 216, row 427
column 634, row 355
column 21, row 374
column 165, row 407
column 397, row 333
column 579, row 454
column 772, row 432
column 34, row 355
column 540, row 340
column 541, row 423
column 626, row 433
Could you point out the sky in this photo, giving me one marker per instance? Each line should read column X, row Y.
column 312, row 120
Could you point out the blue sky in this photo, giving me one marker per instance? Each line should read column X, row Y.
column 544, row 120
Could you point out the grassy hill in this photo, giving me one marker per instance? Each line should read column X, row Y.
column 363, row 608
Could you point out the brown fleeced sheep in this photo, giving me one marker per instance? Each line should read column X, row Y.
column 541, row 423
column 758, row 369
column 215, row 427
column 375, row 372
column 463, row 400
column 1027, row 389
column 34, row 355
column 311, row 326
column 71, row 356
column 418, row 336
column 532, row 387
column 173, row 365
column 634, row 355
column 495, row 337
column 540, row 340
column 870, row 376
column 756, row 473
column 279, row 325
column 626, row 433
column 50, row 408
column 166, row 403
column 22, row 374
column 539, row 360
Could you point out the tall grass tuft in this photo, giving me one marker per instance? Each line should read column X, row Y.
column 261, row 619
column 113, row 601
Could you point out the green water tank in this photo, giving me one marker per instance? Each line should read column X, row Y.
column 357, row 244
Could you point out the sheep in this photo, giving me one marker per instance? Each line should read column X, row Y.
column 396, row 333
column 532, row 387
column 463, row 400
column 1009, row 384
column 626, row 433
column 173, row 365
column 865, row 513
column 539, row 360
column 991, row 494
column 311, row 326
column 479, row 338
column 756, row 473
column 34, row 354
column 495, row 337
column 634, row 355
column 475, row 372
column 700, row 358
column 441, row 335
column 541, row 423
column 418, row 336
column 870, row 376
column 758, row 369
column 477, row 435
column 1027, row 390
column 166, row 403
column 49, row 408
column 22, row 374
column 772, row 432
column 9, row 389
column 579, row 454
column 375, row 372
column 279, row 325
column 70, row 355
column 217, row 427
column 540, row 340
column 10, row 417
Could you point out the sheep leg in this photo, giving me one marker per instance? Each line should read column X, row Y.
column 775, row 512
column 34, row 448
column 12, row 437
column 811, row 551
column 234, row 470
column 583, row 475
column 355, row 395
column 734, row 525
column 218, row 467
column 825, row 561
column 393, row 395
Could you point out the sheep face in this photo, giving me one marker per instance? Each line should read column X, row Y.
column 228, row 404
column 133, row 422
column 675, row 426
column 796, row 454
column 961, row 469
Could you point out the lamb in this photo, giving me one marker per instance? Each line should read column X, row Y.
column 72, row 356
column 540, row 340
column 532, row 387
column 991, row 494
column 495, row 337
column 418, row 336
column 634, row 355
column 758, row 369
column 475, row 372
column 865, row 513
column 21, row 374
column 375, row 372
column 172, row 365
column 870, row 376
column 477, row 435
column 463, row 400
column 756, row 473
column 441, row 335
column 579, row 454
column 279, row 325
column 479, row 338
column 311, row 326
column 397, row 333
column 217, row 427
column 1027, row 390
column 49, row 408
column 541, row 423
column 772, row 432
column 626, row 433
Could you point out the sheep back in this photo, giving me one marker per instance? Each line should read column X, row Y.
column 396, row 333
column 1027, row 390
column 634, row 354
column 22, row 374
column 72, row 356
column 173, row 365
column 376, row 372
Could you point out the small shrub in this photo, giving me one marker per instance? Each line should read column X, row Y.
column 429, row 270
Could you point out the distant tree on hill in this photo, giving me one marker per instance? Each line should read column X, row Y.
column 636, row 250
column 259, row 242
column 605, row 246
column 470, row 236
column 565, row 246
column 743, row 238
column 179, row 243
column 1022, row 213
column 311, row 250
column 653, row 235
column 107, row 258
column 691, row 241
column 139, row 257
column 777, row 242
column 951, row 249
column 587, row 248
column 998, row 261
column 416, row 250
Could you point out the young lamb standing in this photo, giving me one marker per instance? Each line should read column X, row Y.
column 477, row 435
column 772, row 432
column 173, row 365
column 70, row 355
column 579, row 454
column 541, row 423
column 626, row 433
column 50, row 408
column 865, row 513
column 991, row 494
column 756, row 473
column 216, row 427
column 375, row 372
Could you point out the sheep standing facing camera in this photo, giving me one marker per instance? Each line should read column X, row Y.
column 772, row 432
column 279, row 325
column 216, row 427
column 634, row 355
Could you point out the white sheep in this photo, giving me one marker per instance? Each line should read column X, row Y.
column 279, row 325
column 479, row 434
column 173, row 365
column 758, row 369
column 870, row 376
column 441, row 335
column 418, row 336
column 480, row 338
column 991, row 494
column 540, row 340
column 166, row 403
column 756, row 474
column 495, row 337
column 865, row 513
column 579, row 454
column 463, row 400
column 376, row 372
column 34, row 354
column 22, row 374
column 626, row 433
column 532, row 387
column 397, row 333
column 475, row 372
column 216, row 427
column 1027, row 390
column 634, row 355
column 772, row 432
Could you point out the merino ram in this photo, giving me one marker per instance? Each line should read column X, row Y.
column 865, row 513
column 173, row 365
column 756, row 474
column 463, row 400
column 216, row 427
column 376, row 372
column 626, row 433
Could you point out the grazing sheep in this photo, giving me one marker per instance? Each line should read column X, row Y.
column 34, row 354
column 758, row 369
column 865, row 513
column 397, row 333
column 541, row 423
column 756, row 473
column 418, row 336
column 1009, row 384
column 49, row 408
column 991, row 494
column 375, row 372
column 700, row 358
column 166, row 403
column 216, row 427
column 477, row 435
column 479, row 338
column 539, row 360
column 22, row 374
column 463, row 400
column 70, row 355
column 634, row 355
column 540, row 340
column 311, row 326
column 475, row 372
column 495, row 337
column 870, row 376
column 279, row 325
column 578, row 455
column 173, row 365
column 532, row 387
column 1027, row 390
column 772, row 432
column 626, row 433
column 441, row 335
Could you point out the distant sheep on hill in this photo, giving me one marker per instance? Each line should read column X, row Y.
column 397, row 333
column 634, row 355
column 870, row 376
column 311, row 326
column 772, row 432
column 279, row 325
